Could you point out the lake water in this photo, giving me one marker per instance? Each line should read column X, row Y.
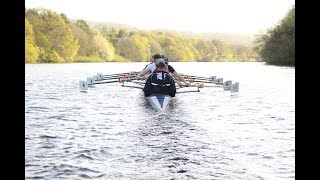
column 112, row 132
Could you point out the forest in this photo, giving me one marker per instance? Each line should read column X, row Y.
column 51, row 37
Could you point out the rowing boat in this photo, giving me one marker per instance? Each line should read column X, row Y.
column 159, row 102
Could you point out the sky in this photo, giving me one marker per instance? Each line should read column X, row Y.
column 222, row 16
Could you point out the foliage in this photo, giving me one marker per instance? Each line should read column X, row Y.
column 53, row 34
column 31, row 51
column 277, row 46
column 53, row 38
column 103, row 48
column 135, row 48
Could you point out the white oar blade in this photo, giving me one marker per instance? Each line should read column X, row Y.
column 83, row 86
column 95, row 78
column 219, row 81
column 213, row 78
column 90, row 80
column 227, row 85
column 235, row 87
column 99, row 76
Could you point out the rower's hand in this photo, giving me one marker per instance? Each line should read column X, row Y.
column 145, row 77
column 179, row 83
column 140, row 78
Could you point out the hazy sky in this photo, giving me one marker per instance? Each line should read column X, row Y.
column 242, row 16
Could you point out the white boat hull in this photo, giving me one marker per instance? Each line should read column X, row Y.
column 159, row 102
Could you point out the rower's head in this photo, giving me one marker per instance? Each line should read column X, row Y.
column 166, row 60
column 160, row 63
column 155, row 57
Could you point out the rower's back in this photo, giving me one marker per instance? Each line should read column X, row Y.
column 160, row 81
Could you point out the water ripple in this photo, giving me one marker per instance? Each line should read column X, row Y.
column 111, row 132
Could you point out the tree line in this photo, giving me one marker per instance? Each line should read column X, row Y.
column 53, row 38
column 277, row 45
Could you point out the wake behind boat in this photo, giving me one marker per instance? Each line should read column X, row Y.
column 159, row 102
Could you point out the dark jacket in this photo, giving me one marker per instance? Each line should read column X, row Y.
column 160, row 82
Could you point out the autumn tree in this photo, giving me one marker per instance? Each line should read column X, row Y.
column 32, row 52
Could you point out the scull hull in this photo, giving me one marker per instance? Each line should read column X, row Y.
column 159, row 102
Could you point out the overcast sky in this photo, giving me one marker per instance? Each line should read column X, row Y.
column 240, row 16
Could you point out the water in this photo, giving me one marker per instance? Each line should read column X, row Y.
column 112, row 132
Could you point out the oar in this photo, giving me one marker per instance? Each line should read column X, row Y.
column 132, row 86
column 227, row 85
column 117, row 77
column 235, row 87
column 100, row 77
column 83, row 85
column 138, row 82
column 105, row 82
column 212, row 78
column 191, row 85
column 119, row 74
column 188, row 91
column 217, row 81
column 95, row 81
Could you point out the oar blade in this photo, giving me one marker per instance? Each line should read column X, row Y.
column 83, row 86
column 227, row 85
column 219, row 81
column 235, row 87
column 99, row 76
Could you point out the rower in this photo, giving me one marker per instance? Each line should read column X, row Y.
column 153, row 59
column 160, row 81
column 178, row 78
column 144, row 74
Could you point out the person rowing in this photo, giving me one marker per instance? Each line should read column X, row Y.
column 145, row 73
column 160, row 81
column 177, row 77
column 153, row 59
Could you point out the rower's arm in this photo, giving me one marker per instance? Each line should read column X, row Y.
column 180, row 78
column 142, row 73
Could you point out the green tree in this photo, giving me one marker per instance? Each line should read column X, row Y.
column 277, row 46
column 65, row 18
column 53, row 35
column 155, row 47
column 223, row 50
column 135, row 48
column 103, row 48
column 207, row 51
column 32, row 52
column 175, row 54
column 84, row 40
